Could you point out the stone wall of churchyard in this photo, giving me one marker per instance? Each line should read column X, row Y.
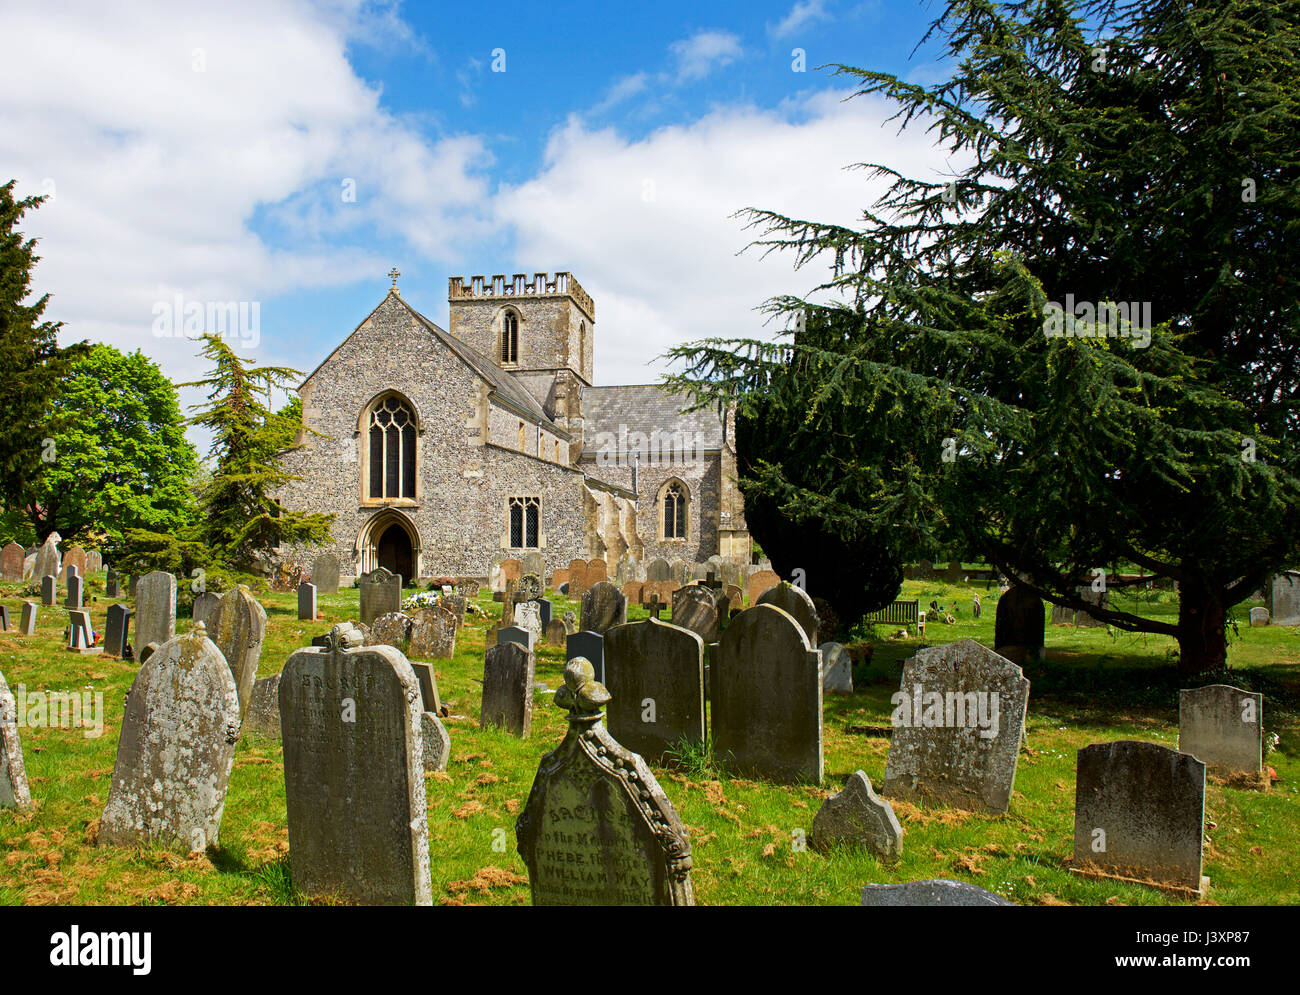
column 460, row 509
column 549, row 330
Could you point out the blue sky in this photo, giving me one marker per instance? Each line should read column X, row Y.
column 205, row 151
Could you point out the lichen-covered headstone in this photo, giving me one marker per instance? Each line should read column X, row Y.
column 1223, row 727
column 696, row 608
column 176, row 749
column 11, row 561
column 1139, row 814
column 534, row 564
column 1018, row 626
column 766, row 689
column 155, row 609
column 354, row 773
column 528, row 587
column 935, row 891
column 508, row 672
column 658, row 569
column 390, row 629
column 14, row 791
column 958, row 720
column 837, row 669
column 655, row 673
column 94, row 561
column 597, row 829
column 603, row 606
column 204, row 605
column 262, row 715
column 857, row 817
column 325, row 573
column 380, row 592
column 238, row 627
column 556, row 633
column 432, row 635
column 798, row 604
column 436, row 742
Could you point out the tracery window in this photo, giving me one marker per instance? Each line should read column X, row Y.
column 392, row 449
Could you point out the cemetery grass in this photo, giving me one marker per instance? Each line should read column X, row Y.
column 747, row 836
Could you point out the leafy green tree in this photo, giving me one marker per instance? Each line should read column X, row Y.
column 122, row 458
column 1142, row 152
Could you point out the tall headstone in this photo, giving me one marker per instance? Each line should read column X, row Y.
column 262, row 716
column 117, row 631
column 591, row 647
column 837, row 669
column 534, row 564
column 528, row 615
column 658, row 569
column 655, row 673
column 760, row 582
column 766, row 690
column 176, row 749
column 94, row 561
column 81, row 635
column 695, row 607
column 354, row 772
column 11, row 561
column 1139, row 814
column 856, row 817
column 49, row 590
column 1018, row 626
column 238, row 626
column 796, row 602
column 76, row 557
column 48, row 558
column 603, row 606
column 508, row 670
column 14, row 790
column 381, row 593
column 204, row 605
column 597, row 829
column 306, row 602
column 27, row 621
column 1282, row 598
column 76, row 590
column 433, row 635
column 958, row 719
column 325, row 573
column 155, row 609
column 112, row 584
column 1223, row 727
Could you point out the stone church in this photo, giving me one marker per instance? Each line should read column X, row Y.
column 439, row 451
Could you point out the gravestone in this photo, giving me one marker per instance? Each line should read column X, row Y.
column 155, row 609
column 556, row 633
column 354, row 773
column 655, row 674
column 76, row 590
column 766, row 688
column 262, row 715
column 11, row 562
column 856, row 817
column 633, row 591
column 27, row 621
column 558, row 579
column 81, row 635
column 517, row 634
column 49, row 591
column 429, row 698
column 112, row 584
column 658, row 569
column 1282, row 598
column 14, row 790
column 238, row 627
column 48, row 558
column 794, row 601
column 436, row 742
column 1062, row 615
column 1018, row 626
column 597, row 829
column 511, row 569
column 94, row 561
column 391, row 629
column 1099, row 598
column 547, row 609
column 1223, row 727
column 4, row 618
column 837, row 669
column 696, row 608
column 590, row 646
column 508, row 670
column 1258, row 616
column 432, row 635
column 528, row 615
column 176, row 749
column 578, row 582
column 570, row 622
column 29, row 564
column 760, row 582
column 528, row 588
column 381, row 593
column 534, row 564
column 76, row 557
column 204, row 605
column 603, row 607
column 958, row 722
column 306, row 602
column 924, row 570
column 117, row 631
column 325, row 573
column 1139, row 814
column 935, row 891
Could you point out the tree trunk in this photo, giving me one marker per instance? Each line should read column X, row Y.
column 1202, row 641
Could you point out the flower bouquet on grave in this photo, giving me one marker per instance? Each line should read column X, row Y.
column 423, row 599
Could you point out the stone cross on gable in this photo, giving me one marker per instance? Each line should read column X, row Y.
column 394, row 274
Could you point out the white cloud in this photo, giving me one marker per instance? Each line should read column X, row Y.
column 801, row 14
column 704, row 51
column 646, row 225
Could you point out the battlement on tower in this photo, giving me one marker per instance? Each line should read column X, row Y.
column 500, row 286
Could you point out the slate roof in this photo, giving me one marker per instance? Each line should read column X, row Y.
column 644, row 408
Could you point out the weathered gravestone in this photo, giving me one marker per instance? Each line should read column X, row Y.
column 1139, row 814
column 27, row 621
column 958, row 721
column 935, row 891
column 29, row 564
column 325, row 573
column 354, row 773
column 432, row 635
column 1258, row 616
column 48, row 558
column 429, row 698
column 204, row 605
column 760, row 582
column 176, row 749
column 238, row 627
column 794, row 601
column 112, row 584
column 11, row 562
column 634, row 591
column 117, row 631
column 556, row 633
column 1223, row 727
column 94, row 561
column 49, row 591
column 14, row 791
column 655, row 673
column 658, row 569
column 76, row 589
column 534, row 564
column 517, row 634
column 381, row 593
column 837, row 669
column 558, row 579
column 436, row 742
column 1018, row 626
column 1099, row 598
column 696, row 608
column 591, row 647
column 75, row 557
column 528, row 588
column 597, row 829
column 508, row 670
column 262, row 716
column 81, row 635
column 306, row 602
column 155, row 609
column 391, row 629
column 1282, row 597
column 511, row 569
column 856, row 817
column 766, row 688
column 528, row 615
column 603, row 607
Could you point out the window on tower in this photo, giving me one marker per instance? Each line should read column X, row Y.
column 510, row 338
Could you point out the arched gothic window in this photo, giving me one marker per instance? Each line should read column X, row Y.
column 510, row 338
column 392, row 449
column 674, row 511
column 524, row 513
